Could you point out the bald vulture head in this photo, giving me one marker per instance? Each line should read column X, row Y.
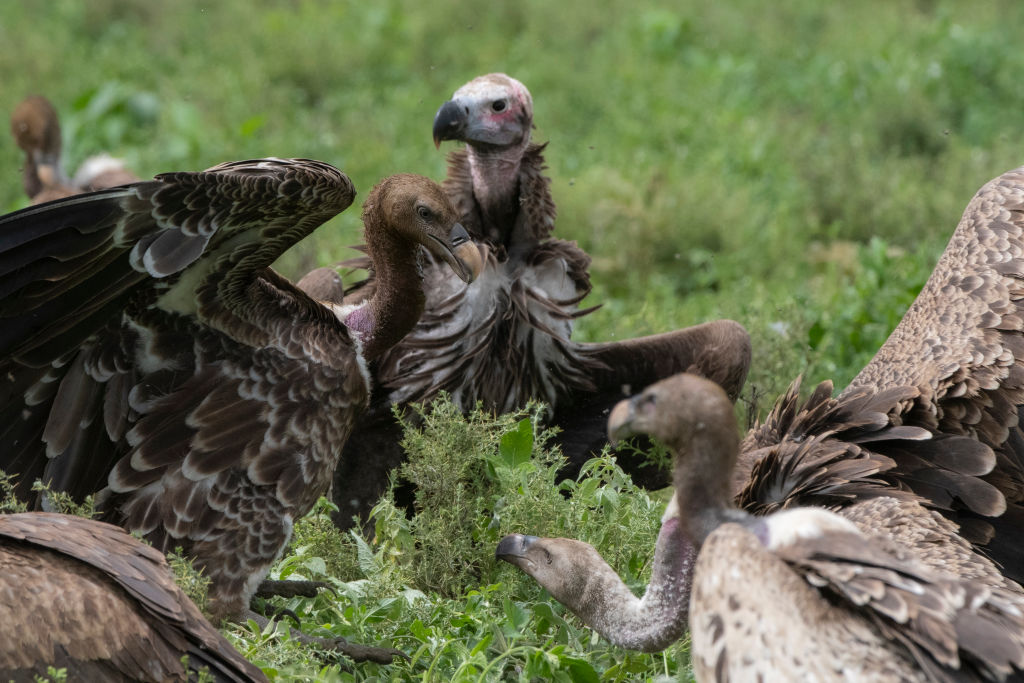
column 689, row 414
column 491, row 111
column 415, row 208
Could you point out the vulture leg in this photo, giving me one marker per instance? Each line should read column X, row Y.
column 357, row 653
column 718, row 350
column 290, row 588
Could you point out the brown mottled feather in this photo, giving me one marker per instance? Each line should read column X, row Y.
column 164, row 363
column 88, row 597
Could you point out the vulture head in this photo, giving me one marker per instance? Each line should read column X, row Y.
column 36, row 129
column 564, row 566
column 689, row 414
column 576, row 575
column 402, row 213
column 491, row 111
column 414, row 209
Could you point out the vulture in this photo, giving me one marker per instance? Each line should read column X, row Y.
column 882, row 589
column 149, row 354
column 504, row 339
column 922, row 454
column 36, row 130
column 88, row 597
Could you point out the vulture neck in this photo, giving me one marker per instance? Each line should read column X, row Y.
column 704, row 464
column 398, row 300
column 30, row 176
column 495, row 173
column 659, row 618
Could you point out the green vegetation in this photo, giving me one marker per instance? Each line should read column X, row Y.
column 796, row 166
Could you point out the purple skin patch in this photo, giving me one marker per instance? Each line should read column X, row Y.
column 361, row 321
column 759, row 528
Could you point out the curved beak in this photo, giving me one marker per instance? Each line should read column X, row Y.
column 460, row 252
column 620, row 421
column 449, row 122
column 513, row 549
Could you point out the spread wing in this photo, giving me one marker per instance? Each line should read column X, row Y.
column 962, row 344
column 120, row 613
column 106, row 300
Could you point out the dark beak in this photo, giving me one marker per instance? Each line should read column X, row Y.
column 449, row 122
column 620, row 421
column 460, row 252
column 513, row 548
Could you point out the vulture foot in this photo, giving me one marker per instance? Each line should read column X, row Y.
column 273, row 612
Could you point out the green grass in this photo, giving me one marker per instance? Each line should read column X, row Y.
column 796, row 166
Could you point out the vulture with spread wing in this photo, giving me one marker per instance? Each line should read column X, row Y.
column 87, row 597
column 36, row 129
column 915, row 473
column 149, row 353
column 505, row 338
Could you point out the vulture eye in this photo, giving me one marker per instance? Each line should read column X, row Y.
column 499, row 105
column 424, row 213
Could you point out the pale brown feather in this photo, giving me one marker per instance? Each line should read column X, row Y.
column 88, row 597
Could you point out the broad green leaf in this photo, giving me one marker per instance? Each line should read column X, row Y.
column 517, row 444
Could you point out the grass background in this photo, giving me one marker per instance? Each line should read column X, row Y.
column 797, row 166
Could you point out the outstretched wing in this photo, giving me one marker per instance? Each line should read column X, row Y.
column 962, row 344
column 79, row 277
column 120, row 612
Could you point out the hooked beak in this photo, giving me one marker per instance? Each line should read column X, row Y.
column 449, row 122
column 513, row 549
column 620, row 421
column 460, row 252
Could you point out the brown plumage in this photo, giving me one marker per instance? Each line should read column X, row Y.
column 505, row 338
column 87, row 597
column 36, row 129
column 150, row 354
column 799, row 594
column 924, row 448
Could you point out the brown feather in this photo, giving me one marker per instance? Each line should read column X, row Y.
column 120, row 616
column 219, row 394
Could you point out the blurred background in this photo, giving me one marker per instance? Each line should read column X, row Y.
column 796, row 165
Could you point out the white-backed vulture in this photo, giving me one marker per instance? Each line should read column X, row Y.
column 923, row 453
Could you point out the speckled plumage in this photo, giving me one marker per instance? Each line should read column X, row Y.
column 922, row 453
column 164, row 365
column 88, row 597
column 880, row 589
column 506, row 338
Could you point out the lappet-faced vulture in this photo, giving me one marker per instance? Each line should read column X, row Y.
column 505, row 338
